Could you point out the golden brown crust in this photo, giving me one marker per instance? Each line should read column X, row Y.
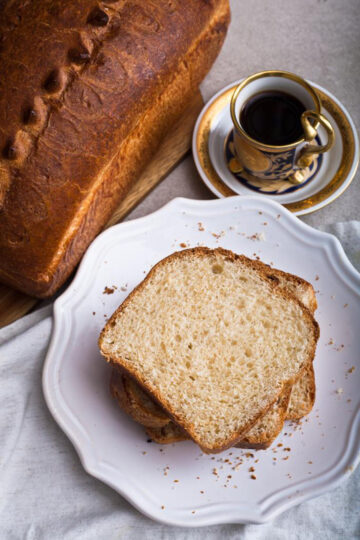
column 133, row 403
column 302, row 405
column 200, row 252
column 267, row 437
column 171, row 433
column 277, row 275
column 98, row 95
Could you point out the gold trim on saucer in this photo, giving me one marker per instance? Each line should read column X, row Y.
column 347, row 159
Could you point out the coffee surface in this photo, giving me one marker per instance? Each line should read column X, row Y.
column 273, row 117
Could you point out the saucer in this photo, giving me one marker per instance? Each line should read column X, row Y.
column 324, row 181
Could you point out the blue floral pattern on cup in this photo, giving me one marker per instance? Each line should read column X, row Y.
column 275, row 182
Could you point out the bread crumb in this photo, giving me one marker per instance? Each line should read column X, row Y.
column 249, row 454
column 94, row 313
column 257, row 236
column 143, row 453
column 200, row 226
column 352, row 369
column 252, row 469
column 183, row 245
column 176, row 481
column 339, row 391
column 345, row 305
column 193, row 512
column 124, row 287
column 163, row 507
column 215, row 235
column 253, row 477
column 317, row 278
column 108, row 290
column 201, row 492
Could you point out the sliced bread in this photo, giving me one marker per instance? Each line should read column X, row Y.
column 214, row 341
column 171, row 433
column 135, row 401
column 260, row 436
column 302, row 395
column 265, row 431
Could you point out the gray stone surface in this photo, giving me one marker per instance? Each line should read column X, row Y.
column 319, row 40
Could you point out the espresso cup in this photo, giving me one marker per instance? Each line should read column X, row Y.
column 288, row 161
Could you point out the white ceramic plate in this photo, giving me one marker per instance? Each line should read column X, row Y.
column 177, row 484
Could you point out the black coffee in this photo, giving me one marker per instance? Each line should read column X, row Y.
column 273, row 117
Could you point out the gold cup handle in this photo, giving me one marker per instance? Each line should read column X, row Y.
column 307, row 154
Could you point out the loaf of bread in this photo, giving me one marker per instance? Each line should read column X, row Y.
column 87, row 91
column 213, row 340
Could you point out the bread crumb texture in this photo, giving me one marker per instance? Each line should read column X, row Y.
column 213, row 339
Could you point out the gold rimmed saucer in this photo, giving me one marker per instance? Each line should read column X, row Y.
column 330, row 179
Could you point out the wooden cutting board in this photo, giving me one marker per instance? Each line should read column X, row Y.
column 14, row 304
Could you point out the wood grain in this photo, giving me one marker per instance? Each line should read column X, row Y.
column 14, row 304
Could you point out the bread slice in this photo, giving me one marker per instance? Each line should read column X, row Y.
column 134, row 400
column 258, row 438
column 302, row 395
column 213, row 340
column 171, row 433
column 265, row 431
